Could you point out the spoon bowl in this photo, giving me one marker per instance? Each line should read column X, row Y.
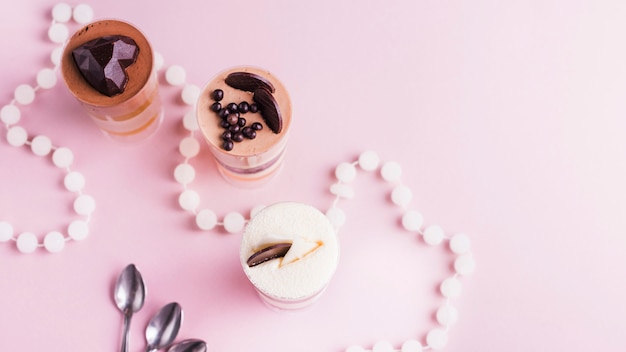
column 190, row 345
column 129, row 296
column 164, row 326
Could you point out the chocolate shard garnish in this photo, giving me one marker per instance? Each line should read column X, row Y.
column 268, row 253
column 269, row 109
column 248, row 82
column 103, row 62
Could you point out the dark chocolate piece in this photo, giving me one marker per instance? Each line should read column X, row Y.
column 103, row 62
column 269, row 109
column 268, row 253
column 248, row 82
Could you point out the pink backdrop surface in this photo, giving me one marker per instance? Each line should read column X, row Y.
column 507, row 117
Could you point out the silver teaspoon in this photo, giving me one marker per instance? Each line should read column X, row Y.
column 163, row 327
column 190, row 345
column 129, row 295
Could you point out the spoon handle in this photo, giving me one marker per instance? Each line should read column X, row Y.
column 125, row 333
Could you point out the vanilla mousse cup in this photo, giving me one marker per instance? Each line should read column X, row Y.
column 108, row 66
column 289, row 252
column 244, row 114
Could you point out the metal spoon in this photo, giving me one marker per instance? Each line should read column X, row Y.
column 190, row 345
column 129, row 295
column 163, row 327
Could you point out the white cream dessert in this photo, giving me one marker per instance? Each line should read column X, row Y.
column 244, row 113
column 289, row 252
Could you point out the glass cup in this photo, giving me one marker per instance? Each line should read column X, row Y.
column 252, row 161
column 131, row 115
column 296, row 278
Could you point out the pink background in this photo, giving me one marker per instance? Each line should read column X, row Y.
column 509, row 120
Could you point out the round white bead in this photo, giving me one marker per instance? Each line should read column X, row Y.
column 184, row 174
column 54, row 242
column 56, row 55
column 450, row 287
column 24, row 94
column 74, row 181
column 78, row 230
column 401, row 196
column 336, row 216
column 190, row 121
column 46, row 78
column 189, row 200
column 62, row 157
column 189, row 147
column 10, row 114
column 412, row 220
column 383, row 346
column 175, row 75
column 6, row 231
column 17, row 136
column 58, row 33
column 84, row 204
column 437, row 339
column 256, row 210
column 342, row 190
column 447, row 315
column 460, row 243
column 369, row 161
column 62, row 12
column 159, row 61
column 206, row 219
column 355, row 349
column 412, row 346
column 464, row 264
column 234, row 222
column 41, row 145
column 190, row 94
column 391, row 171
column 83, row 13
column 27, row 242
column 345, row 172
column 433, row 235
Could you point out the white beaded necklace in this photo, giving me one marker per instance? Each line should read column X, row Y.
column 62, row 157
column 206, row 219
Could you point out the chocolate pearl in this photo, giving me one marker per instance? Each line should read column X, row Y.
column 217, row 95
column 257, row 126
column 223, row 113
column 234, row 128
column 227, row 136
column 232, row 107
column 243, row 107
column 241, row 122
column 224, row 124
column 253, row 108
column 228, row 145
column 216, row 107
column 238, row 137
column 232, row 119
column 249, row 132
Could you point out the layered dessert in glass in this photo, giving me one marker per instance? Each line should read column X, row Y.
column 108, row 66
column 289, row 252
column 244, row 114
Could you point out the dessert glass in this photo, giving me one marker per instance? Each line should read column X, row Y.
column 132, row 115
column 292, row 280
column 251, row 162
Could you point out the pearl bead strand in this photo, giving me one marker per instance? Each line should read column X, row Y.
column 412, row 221
column 62, row 157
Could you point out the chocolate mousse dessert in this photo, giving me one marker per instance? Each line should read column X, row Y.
column 108, row 66
column 244, row 114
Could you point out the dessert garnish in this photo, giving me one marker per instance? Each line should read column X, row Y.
column 274, row 251
column 248, row 82
column 103, row 62
column 292, row 251
column 269, row 109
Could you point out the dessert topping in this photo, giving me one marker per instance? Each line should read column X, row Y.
column 268, row 253
column 248, row 82
column 269, row 109
column 103, row 62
